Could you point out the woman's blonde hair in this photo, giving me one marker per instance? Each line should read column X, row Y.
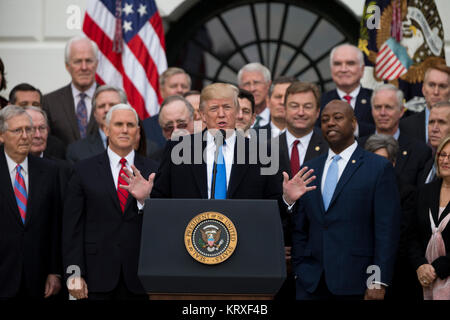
column 439, row 149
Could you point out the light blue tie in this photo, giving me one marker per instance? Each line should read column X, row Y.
column 220, row 191
column 330, row 182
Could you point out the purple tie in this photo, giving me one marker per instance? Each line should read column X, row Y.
column 82, row 115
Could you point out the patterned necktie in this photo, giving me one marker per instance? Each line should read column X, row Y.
column 348, row 99
column 122, row 193
column 295, row 159
column 330, row 181
column 82, row 115
column 20, row 191
column 220, row 191
column 258, row 120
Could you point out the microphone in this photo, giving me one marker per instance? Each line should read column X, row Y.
column 219, row 140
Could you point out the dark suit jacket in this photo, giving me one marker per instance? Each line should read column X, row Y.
column 85, row 148
column 428, row 199
column 359, row 229
column 97, row 236
column 62, row 119
column 189, row 180
column 317, row 146
column 153, row 130
column 426, row 171
column 414, row 126
column 55, row 148
column 412, row 157
column 363, row 109
column 31, row 249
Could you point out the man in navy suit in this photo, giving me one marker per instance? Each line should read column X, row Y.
column 348, row 227
column 101, row 221
column 347, row 69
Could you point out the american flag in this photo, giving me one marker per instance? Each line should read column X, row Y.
column 130, row 37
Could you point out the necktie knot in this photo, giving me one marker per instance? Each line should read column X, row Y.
column 348, row 99
column 296, row 142
column 336, row 158
column 82, row 95
column 18, row 168
column 123, row 161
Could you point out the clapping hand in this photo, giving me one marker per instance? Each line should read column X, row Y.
column 139, row 187
column 296, row 187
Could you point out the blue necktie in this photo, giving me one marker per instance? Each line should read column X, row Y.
column 82, row 115
column 220, row 191
column 330, row 181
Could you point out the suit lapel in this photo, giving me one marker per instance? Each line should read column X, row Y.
column 361, row 104
column 403, row 153
column 69, row 110
column 435, row 199
column 199, row 171
column 285, row 163
column 238, row 171
column 7, row 189
column 318, row 172
column 316, row 146
column 353, row 164
column 104, row 170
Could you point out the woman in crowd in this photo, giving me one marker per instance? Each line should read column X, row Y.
column 430, row 235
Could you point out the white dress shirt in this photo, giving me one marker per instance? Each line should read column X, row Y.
column 87, row 100
column 275, row 130
column 342, row 163
column 228, row 155
column 302, row 146
column 12, row 170
column 114, row 162
column 354, row 95
column 265, row 117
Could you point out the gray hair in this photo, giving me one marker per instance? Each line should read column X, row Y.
column 379, row 141
column 76, row 39
column 106, row 87
column 171, row 72
column 254, row 67
column 40, row 110
column 171, row 99
column 388, row 87
column 120, row 106
column 10, row 112
column 358, row 53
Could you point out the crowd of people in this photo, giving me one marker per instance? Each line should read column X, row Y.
column 359, row 183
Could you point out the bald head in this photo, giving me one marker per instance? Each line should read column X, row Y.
column 338, row 123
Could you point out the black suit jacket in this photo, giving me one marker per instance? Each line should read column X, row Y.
column 414, row 126
column 153, row 130
column 85, row 148
column 97, row 236
column 428, row 199
column 189, row 180
column 363, row 109
column 426, row 171
column 411, row 159
column 55, row 148
column 32, row 249
column 62, row 119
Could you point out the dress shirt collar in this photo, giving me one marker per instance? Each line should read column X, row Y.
column 229, row 141
column 89, row 92
column 114, row 158
column 275, row 130
column 345, row 154
column 352, row 94
column 304, row 141
column 12, row 164
column 396, row 135
column 103, row 137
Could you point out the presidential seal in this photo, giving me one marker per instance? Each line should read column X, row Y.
column 210, row 238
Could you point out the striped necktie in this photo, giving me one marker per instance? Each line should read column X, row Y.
column 82, row 115
column 20, row 191
column 122, row 193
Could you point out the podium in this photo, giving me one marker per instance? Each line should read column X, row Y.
column 255, row 269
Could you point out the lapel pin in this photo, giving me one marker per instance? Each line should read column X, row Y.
column 317, row 148
column 405, row 153
column 353, row 161
column 363, row 101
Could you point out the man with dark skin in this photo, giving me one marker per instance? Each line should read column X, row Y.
column 350, row 222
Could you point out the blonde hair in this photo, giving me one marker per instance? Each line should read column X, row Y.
column 438, row 151
column 219, row 91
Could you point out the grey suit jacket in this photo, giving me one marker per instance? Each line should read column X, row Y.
column 62, row 119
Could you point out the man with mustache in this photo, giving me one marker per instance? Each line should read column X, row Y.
column 347, row 227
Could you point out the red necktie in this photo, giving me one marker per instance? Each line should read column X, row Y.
column 20, row 191
column 122, row 193
column 348, row 99
column 295, row 159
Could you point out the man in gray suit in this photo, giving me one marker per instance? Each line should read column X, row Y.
column 69, row 108
column 105, row 97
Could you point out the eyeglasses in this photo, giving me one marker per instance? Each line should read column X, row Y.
column 41, row 129
column 170, row 128
column 17, row 132
column 442, row 156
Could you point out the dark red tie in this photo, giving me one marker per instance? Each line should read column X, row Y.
column 348, row 99
column 122, row 193
column 295, row 159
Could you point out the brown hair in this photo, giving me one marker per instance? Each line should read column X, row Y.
column 300, row 87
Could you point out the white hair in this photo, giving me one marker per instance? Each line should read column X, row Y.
column 76, row 39
column 389, row 87
column 120, row 106
column 359, row 53
column 254, row 67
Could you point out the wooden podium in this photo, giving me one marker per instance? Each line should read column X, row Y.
column 255, row 270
